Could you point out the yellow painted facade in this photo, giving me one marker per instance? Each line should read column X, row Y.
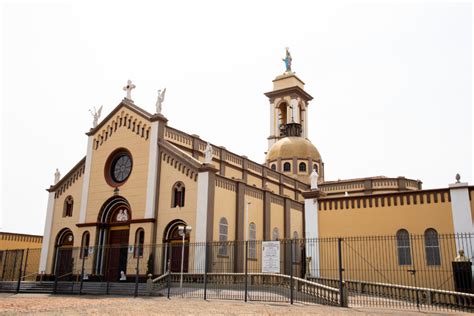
column 172, row 181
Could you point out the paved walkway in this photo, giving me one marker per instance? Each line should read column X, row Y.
column 45, row 304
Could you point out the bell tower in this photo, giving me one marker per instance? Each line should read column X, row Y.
column 288, row 106
column 289, row 149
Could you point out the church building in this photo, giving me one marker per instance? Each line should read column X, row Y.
column 140, row 179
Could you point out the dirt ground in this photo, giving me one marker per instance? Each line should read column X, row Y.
column 45, row 304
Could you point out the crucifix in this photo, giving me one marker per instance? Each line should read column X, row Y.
column 129, row 88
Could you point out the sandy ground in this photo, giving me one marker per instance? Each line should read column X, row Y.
column 45, row 304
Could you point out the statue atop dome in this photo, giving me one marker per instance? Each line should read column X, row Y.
column 287, row 60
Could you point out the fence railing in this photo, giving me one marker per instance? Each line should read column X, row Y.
column 421, row 272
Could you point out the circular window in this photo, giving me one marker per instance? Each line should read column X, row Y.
column 118, row 167
column 121, row 168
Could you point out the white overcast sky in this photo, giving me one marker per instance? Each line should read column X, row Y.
column 392, row 83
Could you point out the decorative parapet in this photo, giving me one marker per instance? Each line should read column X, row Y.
column 370, row 185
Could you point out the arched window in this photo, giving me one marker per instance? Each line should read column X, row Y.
column 68, row 205
column 273, row 166
column 286, row 166
column 85, row 245
column 403, row 247
column 295, row 235
column 223, row 233
column 315, row 167
column 178, row 195
column 433, row 257
column 252, row 241
column 139, row 241
column 302, row 167
column 275, row 234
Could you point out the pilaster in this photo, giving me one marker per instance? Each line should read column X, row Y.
column 85, row 183
column 47, row 234
column 462, row 216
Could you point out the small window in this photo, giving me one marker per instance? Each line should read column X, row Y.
column 223, row 233
column 302, row 167
column 275, row 234
column 295, row 235
column 286, row 167
column 403, row 247
column 178, row 195
column 68, row 206
column 273, row 166
column 315, row 167
column 433, row 257
column 252, row 241
column 139, row 241
column 85, row 245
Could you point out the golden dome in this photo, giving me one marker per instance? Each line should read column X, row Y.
column 289, row 147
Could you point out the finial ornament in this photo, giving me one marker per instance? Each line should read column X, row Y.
column 160, row 100
column 57, row 176
column 129, row 88
column 208, row 154
column 287, row 60
column 458, row 178
column 314, row 180
column 96, row 115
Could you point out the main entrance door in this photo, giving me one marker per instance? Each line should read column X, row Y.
column 118, row 253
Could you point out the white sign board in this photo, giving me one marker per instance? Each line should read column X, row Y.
column 270, row 256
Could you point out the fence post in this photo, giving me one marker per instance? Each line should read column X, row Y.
column 341, row 269
column 82, row 270
column 55, row 288
column 137, row 270
column 291, row 270
column 205, row 270
column 19, row 272
column 246, row 266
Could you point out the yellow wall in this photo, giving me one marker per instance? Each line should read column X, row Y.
column 19, row 241
column 225, row 206
column 134, row 188
column 277, row 219
column 168, row 177
column 377, row 221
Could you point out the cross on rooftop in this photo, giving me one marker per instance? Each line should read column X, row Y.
column 129, row 88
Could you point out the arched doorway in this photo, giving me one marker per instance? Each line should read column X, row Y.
column 113, row 237
column 64, row 261
column 174, row 250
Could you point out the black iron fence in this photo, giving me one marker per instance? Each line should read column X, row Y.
column 410, row 271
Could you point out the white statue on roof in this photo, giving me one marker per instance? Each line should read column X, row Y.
column 208, row 154
column 160, row 100
column 314, row 180
column 57, row 176
column 96, row 115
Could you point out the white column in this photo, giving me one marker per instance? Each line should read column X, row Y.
column 305, row 128
column 201, row 220
column 47, row 234
column 152, row 172
column 312, row 233
column 272, row 120
column 85, row 183
column 462, row 217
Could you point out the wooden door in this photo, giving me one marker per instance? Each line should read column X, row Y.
column 118, row 254
column 176, row 251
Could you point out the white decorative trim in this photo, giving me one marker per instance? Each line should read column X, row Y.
column 461, row 214
column 312, row 232
column 152, row 172
column 46, row 234
column 85, row 183
column 201, row 220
